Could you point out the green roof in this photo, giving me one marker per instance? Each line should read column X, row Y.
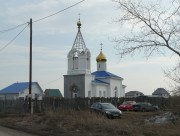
column 53, row 93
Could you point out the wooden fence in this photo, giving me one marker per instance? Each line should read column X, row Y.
column 57, row 104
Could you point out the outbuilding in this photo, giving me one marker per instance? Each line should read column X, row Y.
column 21, row 90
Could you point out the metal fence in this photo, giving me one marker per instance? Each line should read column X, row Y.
column 57, row 104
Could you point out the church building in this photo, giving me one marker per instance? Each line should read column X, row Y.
column 80, row 82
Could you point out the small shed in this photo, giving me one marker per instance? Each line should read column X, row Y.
column 53, row 93
column 133, row 94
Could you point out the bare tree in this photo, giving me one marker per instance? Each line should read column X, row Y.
column 174, row 75
column 153, row 27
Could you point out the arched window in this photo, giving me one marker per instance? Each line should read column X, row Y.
column 75, row 92
column 89, row 94
column 75, row 60
column 75, row 55
column 116, row 92
column 104, row 93
column 100, row 94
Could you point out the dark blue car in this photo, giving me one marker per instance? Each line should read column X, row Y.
column 106, row 109
column 144, row 106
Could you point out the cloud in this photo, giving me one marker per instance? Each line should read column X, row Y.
column 54, row 36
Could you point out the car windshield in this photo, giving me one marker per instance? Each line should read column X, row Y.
column 107, row 106
column 136, row 105
column 128, row 102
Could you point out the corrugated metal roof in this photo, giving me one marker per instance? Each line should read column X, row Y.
column 103, row 74
column 16, row 88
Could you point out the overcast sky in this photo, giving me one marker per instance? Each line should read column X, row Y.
column 53, row 37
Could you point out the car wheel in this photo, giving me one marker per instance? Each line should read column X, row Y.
column 109, row 117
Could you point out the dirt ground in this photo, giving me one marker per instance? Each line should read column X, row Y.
column 85, row 123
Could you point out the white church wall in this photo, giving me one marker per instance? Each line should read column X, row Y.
column 88, row 60
column 82, row 63
column 70, row 61
column 123, row 91
column 101, row 91
column 101, row 66
column 107, row 87
column 116, row 87
column 93, row 93
column 88, row 86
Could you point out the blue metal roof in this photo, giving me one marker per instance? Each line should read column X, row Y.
column 16, row 88
column 99, row 81
column 103, row 74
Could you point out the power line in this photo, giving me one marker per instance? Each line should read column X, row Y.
column 12, row 28
column 51, row 82
column 59, row 11
column 13, row 39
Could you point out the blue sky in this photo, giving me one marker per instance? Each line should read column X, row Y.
column 53, row 38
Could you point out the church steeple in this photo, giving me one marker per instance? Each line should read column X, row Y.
column 79, row 43
column 79, row 56
column 79, row 24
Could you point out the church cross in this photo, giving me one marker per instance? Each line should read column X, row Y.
column 101, row 46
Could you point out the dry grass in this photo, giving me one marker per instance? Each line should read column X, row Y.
column 81, row 123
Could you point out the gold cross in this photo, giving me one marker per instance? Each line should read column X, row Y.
column 101, row 46
column 79, row 15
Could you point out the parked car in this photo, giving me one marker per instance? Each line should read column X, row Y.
column 107, row 109
column 144, row 106
column 127, row 105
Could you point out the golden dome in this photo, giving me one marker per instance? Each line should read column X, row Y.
column 101, row 57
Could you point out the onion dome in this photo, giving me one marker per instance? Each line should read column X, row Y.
column 101, row 57
column 79, row 23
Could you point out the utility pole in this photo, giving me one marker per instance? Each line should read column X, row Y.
column 30, row 70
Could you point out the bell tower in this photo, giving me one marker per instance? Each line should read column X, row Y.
column 79, row 57
column 77, row 82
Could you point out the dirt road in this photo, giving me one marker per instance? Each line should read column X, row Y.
column 11, row 132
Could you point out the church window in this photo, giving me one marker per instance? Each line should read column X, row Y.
column 100, row 95
column 75, row 92
column 116, row 92
column 75, row 60
column 89, row 94
column 75, row 55
column 104, row 94
column 115, row 95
